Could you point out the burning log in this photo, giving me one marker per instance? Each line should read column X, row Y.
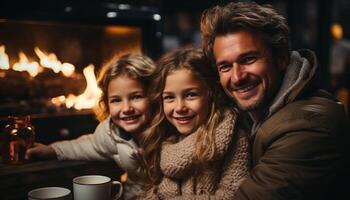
column 15, row 85
column 49, row 84
column 30, row 87
column 21, row 86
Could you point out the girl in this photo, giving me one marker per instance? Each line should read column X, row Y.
column 124, row 112
column 190, row 148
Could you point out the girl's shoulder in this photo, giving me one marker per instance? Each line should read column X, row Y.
column 103, row 126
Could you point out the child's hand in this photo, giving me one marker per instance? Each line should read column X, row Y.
column 40, row 152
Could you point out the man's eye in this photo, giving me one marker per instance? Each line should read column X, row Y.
column 248, row 60
column 224, row 67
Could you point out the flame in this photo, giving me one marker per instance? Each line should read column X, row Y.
column 50, row 61
column 67, row 69
column 88, row 98
column 4, row 59
column 32, row 68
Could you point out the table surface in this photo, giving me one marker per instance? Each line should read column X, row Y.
column 17, row 180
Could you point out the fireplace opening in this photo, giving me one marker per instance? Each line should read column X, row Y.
column 49, row 60
column 48, row 67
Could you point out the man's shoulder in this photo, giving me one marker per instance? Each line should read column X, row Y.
column 321, row 104
column 315, row 112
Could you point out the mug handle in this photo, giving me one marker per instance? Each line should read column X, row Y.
column 120, row 193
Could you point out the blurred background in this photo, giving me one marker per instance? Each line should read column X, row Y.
column 51, row 51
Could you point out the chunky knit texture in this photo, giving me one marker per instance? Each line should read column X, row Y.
column 219, row 179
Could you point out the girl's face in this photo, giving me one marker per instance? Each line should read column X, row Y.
column 185, row 101
column 128, row 104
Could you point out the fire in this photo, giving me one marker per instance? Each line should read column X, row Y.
column 85, row 100
column 32, row 68
column 50, row 61
column 89, row 97
column 4, row 58
column 47, row 60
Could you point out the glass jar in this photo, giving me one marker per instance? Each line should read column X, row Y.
column 17, row 137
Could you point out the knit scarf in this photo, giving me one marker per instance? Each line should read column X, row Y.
column 177, row 162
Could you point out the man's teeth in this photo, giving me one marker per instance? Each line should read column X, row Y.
column 245, row 89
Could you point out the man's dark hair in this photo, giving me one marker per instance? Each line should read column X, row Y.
column 249, row 16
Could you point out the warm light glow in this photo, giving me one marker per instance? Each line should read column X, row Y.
column 4, row 59
column 67, row 69
column 50, row 61
column 89, row 97
column 23, row 64
column 71, row 99
column 58, row 100
column 86, row 100
column 33, row 68
column 337, row 31
column 124, row 177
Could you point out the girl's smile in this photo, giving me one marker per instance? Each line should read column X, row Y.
column 185, row 101
column 128, row 104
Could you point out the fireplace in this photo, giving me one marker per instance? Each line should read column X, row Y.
column 49, row 56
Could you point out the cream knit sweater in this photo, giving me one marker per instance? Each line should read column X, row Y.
column 218, row 180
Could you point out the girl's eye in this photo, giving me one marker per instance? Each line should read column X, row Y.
column 114, row 100
column 168, row 98
column 191, row 95
column 137, row 97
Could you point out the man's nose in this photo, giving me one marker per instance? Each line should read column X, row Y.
column 237, row 74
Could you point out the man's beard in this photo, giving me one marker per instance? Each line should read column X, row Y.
column 258, row 105
column 253, row 107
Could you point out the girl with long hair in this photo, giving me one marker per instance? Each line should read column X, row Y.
column 193, row 146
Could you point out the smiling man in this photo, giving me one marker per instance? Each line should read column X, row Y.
column 299, row 133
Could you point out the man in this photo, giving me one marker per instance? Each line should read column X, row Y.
column 299, row 133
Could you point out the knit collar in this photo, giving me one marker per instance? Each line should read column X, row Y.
column 223, row 139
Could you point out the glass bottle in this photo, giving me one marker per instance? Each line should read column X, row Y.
column 17, row 137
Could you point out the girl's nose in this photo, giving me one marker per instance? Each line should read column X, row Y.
column 180, row 106
column 127, row 107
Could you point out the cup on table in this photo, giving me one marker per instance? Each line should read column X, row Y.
column 50, row 193
column 95, row 187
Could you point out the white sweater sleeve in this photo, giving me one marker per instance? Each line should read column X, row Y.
column 97, row 146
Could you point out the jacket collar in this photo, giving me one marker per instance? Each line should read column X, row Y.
column 298, row 77
column 299, row 73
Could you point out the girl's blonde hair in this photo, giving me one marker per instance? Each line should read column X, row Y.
column 160, row 129
column 133, row 65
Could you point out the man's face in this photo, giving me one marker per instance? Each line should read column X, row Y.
column 246, row 70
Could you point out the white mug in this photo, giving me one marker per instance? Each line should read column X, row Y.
column 50, row 193
column 95, row 187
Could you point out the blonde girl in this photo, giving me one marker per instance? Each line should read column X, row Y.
column 124, row 111
column 194, row 146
